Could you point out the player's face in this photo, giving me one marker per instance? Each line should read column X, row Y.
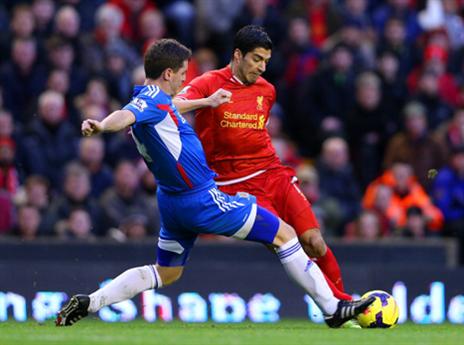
column 178, row 78
column 253, row 64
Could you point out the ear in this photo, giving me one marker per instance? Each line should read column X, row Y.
column 237, row 55
column 167, row 74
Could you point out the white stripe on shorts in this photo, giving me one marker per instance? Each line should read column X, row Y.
column 243, row 232
column 170, row 246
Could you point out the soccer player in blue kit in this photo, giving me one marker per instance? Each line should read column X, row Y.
column 189, row 202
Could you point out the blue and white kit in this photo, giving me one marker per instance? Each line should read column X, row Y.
column 189, row 202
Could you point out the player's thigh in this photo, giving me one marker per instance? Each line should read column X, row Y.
column 295, row 209
column 174, row 246
column 256, row 188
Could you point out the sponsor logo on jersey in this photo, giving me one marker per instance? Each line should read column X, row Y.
column 243, row 120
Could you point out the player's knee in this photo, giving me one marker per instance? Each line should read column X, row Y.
column 169, row 275
column 313, row 243
column 284, row 234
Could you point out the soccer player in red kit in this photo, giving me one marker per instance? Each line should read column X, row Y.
column 232, row 108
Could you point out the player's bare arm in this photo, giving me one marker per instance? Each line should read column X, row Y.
column 114, row 122
column 220, row 96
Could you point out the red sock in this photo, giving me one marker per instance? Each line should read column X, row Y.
column 337, row 293
column 329, row 265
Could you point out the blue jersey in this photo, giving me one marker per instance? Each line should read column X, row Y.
column 168, row 144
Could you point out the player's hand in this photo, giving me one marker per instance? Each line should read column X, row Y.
column 219, row 97
column 91, row 127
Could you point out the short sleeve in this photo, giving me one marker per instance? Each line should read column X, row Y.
column 197, row 88
column 145, row 110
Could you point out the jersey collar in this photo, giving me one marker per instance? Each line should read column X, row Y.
column 233, row 78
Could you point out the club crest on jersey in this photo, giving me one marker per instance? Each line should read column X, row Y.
column 140, row 104
column 259, row 102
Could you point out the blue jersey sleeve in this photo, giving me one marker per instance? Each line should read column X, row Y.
column 145, row 109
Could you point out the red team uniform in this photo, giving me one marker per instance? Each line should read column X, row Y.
column 239, row 149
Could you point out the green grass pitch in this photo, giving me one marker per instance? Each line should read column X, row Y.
column 287, row 332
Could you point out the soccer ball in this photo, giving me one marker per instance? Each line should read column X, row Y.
column 383, row 313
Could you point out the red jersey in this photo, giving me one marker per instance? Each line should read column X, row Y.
column 234, row 134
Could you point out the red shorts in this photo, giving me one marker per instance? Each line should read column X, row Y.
column 277, row 190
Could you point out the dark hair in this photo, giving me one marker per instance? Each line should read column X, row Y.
column 250, row 37
column 165, row 53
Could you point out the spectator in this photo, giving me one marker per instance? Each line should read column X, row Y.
column 58, row 81
column 454, row 23
column 151, row 27
column 28, row 222
column 43, row 11
column 117, row 75
column 366, row 126
column 448, row 193
column 366, row 227
column 51, row 141
column 135, row 227
column 217, row 19
column 23, row 78
column 325, row 209
column 428, row 94
column 354, row 36
column 322, row 16
column 397, row 9
column 415, row 145
column 407, row 192
column 96, row 93
column 451, row 133
column 78, row 226
column 325, row 98
column 394, row 90
column 337, row 182
column 36, row 193
column 285, row 149
column 181, row 18
column 76, row 194
column 302, row 56
column 67, row 22
column 132, row 11
column 6, row 212
column 20, row 26
column 435, row 59
column 91, row 154
column 356, row 11
column 202, row 61
column 260, row 12
column 109, row 21
column 61, row 55
column 9, row 180
column 387, row 212
column 416, row 224
column 138, row 75
column 125, row 199
column 394, row 40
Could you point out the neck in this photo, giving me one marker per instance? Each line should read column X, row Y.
column 236, row 73
column 163, row 85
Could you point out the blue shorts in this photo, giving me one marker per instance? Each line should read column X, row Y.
column 209, row 211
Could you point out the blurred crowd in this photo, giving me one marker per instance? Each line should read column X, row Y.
column 370, row 109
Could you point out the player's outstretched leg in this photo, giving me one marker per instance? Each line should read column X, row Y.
column 73, row 311
column 347, row 310
column 308, row 275
column 123, row 287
